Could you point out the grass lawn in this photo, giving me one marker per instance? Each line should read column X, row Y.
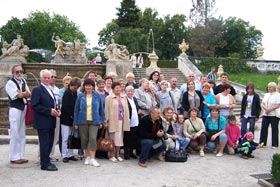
column 260, row 80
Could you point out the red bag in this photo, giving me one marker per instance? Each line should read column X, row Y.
column 29, row 115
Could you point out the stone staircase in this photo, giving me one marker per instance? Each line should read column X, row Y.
column 167, row 72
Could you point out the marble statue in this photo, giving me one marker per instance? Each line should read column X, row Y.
column 68, row 48
column 15, row 48
column 116, row 51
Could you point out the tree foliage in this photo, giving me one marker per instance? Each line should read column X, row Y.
column 128, row 14
column 37, row 30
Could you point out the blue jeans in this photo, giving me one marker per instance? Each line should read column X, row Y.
column 147, row 150
column 182, row 143
column 222, row 138
column 244, row 122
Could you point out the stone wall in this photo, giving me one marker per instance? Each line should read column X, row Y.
column 31, row 69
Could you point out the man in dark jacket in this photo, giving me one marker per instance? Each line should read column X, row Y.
column 150, row 133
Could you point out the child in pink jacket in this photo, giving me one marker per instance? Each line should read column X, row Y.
column 233, row 133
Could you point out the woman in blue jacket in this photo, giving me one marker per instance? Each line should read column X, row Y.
column 89, row 117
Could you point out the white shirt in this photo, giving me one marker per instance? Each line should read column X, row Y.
column 11, row 89
column 134, row 121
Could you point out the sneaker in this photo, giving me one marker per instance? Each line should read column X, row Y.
column 113, row 159
column 273, row 147
column 244, row 157
column 94, row 162
column 219, row 155
column 120, row 159
column 87, row 160
column 251, row 156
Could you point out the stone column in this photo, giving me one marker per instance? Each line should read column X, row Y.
column 153, row 66
column 220, row 71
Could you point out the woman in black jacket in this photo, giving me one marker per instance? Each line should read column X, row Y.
column 66, row 118
column 192, row 98
column 250, row 109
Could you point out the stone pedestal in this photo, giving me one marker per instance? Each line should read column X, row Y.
column 13, row 59
column 70, row 59
column 153, row 66
column 119, row 66
column 6, row 72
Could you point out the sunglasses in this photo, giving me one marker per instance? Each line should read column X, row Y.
column 53, row 77
column 18, row 72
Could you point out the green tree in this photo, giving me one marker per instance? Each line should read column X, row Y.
column 128, row 14
column 241, row 38
column 207, row 41
column 37, row 30
column 108, row 32
column 172, row 32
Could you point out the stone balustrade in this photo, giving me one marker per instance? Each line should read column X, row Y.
column 265, row 66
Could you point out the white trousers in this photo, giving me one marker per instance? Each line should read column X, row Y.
column 17, row 134
column 65, row 132
column 56, row 136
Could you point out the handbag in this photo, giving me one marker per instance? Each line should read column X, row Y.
column 74, row 140
column 176, row 156
column 29, row 116
column 105, row 144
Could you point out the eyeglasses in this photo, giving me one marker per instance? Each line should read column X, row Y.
column 53, row 77
column 191, row 76
column 18, row 72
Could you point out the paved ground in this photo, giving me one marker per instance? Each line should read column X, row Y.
column 208, row 171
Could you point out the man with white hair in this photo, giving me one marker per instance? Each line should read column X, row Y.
column 98, row 59
column 18, row 92
column 55, row 91
column 190, row 77
column 143, row 97
column 46, row 111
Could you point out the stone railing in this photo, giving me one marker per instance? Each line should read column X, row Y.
column 186, row 66
column 265, row 66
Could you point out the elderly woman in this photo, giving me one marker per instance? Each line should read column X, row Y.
column 108, row 84
column 130, row 137
column 195, row 130
column 168, row 123
column 164, row 97
column 270, row 103
column 65, row 81
column 192, row 98
column 225, row 101
column 89, row 117
column 66, row 118
column 215, row 125
column 116, row 119
column 250, row 109
column 122, row 82
column 130, row 80
column 101, row 91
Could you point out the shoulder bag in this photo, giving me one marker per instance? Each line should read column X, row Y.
column 105, row 144
column 176, row 156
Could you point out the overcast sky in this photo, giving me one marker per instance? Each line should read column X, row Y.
column 92, row 16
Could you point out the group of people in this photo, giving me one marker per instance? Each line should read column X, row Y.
column 145, row 119
column 137, row 61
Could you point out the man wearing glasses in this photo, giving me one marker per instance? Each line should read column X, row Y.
column 18, row 92
column 55, row 91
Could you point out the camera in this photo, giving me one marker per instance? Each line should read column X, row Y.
column 165, row 137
